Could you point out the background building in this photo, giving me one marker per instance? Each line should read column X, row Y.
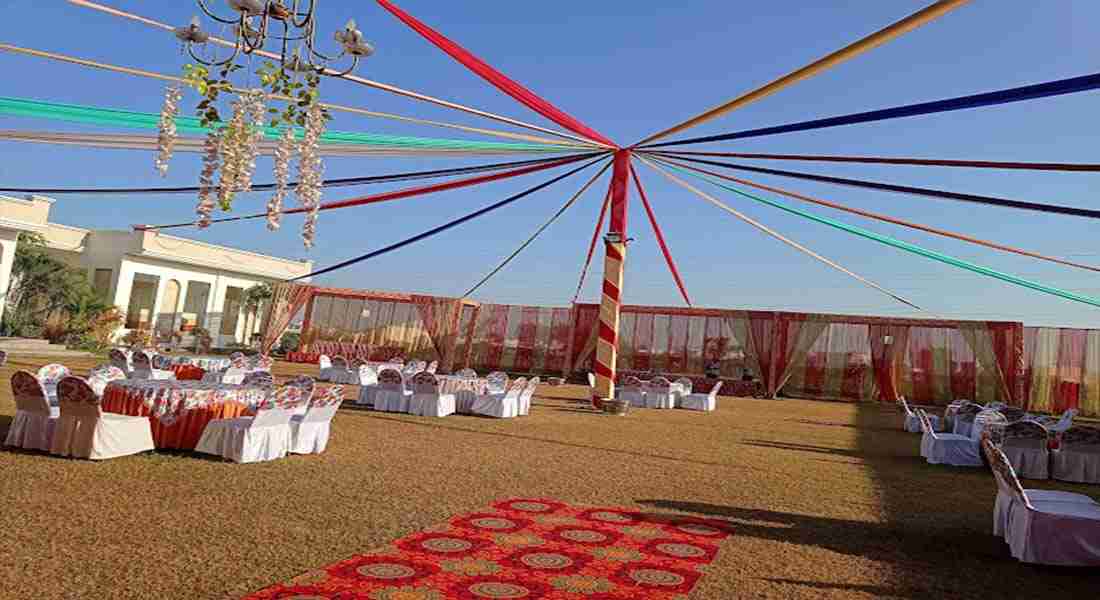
column 160, row 282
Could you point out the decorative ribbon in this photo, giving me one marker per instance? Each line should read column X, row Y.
column 398, row 194
column 821, row 65
column 448, row 225
column 911, row 248
column 920, row 162
column 538, row 231
column 660, row 237
column 592, row 245
column 905, row 189
column 496, row 78
column 772, row 232
column 341, row 182
column 1006, row 96
column 888, row 219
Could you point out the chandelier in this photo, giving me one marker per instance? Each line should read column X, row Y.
column 289, row 24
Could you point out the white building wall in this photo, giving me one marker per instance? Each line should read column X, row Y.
column 8, row 238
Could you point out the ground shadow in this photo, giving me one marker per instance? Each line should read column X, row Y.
column 5, row 425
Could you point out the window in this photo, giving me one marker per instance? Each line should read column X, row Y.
column 143, row 294
column 101, row 283
column 194, row 306
column 231, row 310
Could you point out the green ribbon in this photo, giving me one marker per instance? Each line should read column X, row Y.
column 906, row 246
column 185, row 124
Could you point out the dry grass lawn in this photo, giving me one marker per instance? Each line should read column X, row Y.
column 830, row 500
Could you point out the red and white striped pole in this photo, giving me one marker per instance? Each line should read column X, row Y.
column 607, row 344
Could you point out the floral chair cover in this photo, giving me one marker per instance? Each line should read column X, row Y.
column 50, row 375
column 501, row 405
column 498, row 382
column 988, row 421
column 35, row 420
column 259, row 378
column 287, row 397
column 119, row 359
column 262, row 362
column 432, row 366
column 426, row 383
column 161, row 362
column 390, row 394
column 339, row 362
column 3, row 358
column 397, row 360
column 238, row 360
column 467, row 373
column 102, row 375
column 391, row 378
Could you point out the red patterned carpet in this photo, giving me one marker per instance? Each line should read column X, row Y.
column 527, row 549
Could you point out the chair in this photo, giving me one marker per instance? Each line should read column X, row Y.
column 263, row 437
column 1049, row 528
column 1077, row 458
column 161, row 362
column 391, row 395
column 964, row 418
column 324, row 364
column 591, row 380
column 526, row 395
column 432, row 367
column 685, row 385
column 947, row 448
column 397, row 360
column 1062, row 424
column 467, row 373
column 341, row 373
column 426, row 400
column 231, row 376
column 35, row 420
column 238, row 360
column 262, row 362
column 50, row 375
column 309, row 432
column 368, row 385
column 3, row 358
column 500, row 406
column 119, row 359
column 85, row 431
column 498, row 382
column 306, row 384
column 632, row 392
column 912, row 421
column 258, row 378
column 658, row 393
column 703, row 402
column 143, row 369
column 1026, row 445
column 99, row 377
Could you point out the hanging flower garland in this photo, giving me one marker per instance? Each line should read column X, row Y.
column 166, row 137
column 240, row 146
column 211, row 158
column 284, row 151
column 310, row 170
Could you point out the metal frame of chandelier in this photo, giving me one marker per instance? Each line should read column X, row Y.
column 253, row 27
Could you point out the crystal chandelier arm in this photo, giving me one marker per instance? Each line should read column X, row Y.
column 202, row 5
column 308, row 14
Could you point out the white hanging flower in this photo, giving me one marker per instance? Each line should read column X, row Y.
column 254, row 107
column 232, row 154
column 166, row 137
column 210, row 161
column 310, row 171
column 284, row 151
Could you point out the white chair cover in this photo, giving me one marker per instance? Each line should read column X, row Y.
column 467, row 373
column 912, row 421
column 35, row 420
column 526, row 395
column 947, row 448
column 1064, row 423
column 119, row 359
column 686, row 384
column 591, row 380
column 309, row 433
column 263, row 437
column 432, row 367
column 391, row 395
column 1025, row 444
column 658, row 394
column 632, row 392
column 3, row 358
column 500, row 406
column 1077, row 458
column 426, row 400
column 964, row 418
column 703, row 402
column 85, row 431
column 368, row 385
column 324, row 365
column 1062, row 529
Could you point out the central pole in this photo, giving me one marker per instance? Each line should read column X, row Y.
column 607, row 344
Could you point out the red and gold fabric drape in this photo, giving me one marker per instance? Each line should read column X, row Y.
column 885, row 357
column 286, row 300
column 440, row 317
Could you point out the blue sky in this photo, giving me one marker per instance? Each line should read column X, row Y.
column 629, row 69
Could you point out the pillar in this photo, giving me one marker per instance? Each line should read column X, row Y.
column 607, row 344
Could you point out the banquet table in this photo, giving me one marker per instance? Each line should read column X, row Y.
column 188, row 372
column 453, row 384
column 206, row 363
column 178, row 411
